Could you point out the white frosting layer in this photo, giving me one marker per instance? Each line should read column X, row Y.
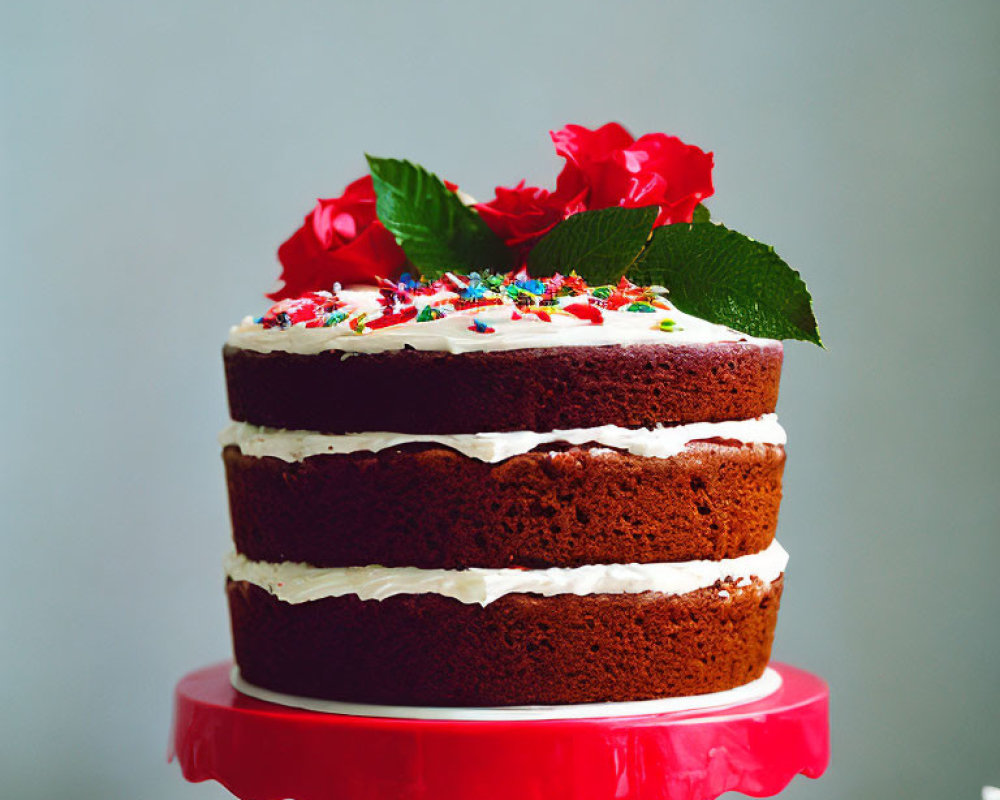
column 451, row 334
column 301, row 583
column 254, row 440
column 765, row 685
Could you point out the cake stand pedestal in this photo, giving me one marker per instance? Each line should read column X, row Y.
column 263, row 751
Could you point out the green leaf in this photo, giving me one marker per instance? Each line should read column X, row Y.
column 600, row 245
column 725, row 277
column 436, row 230
column 701, row 214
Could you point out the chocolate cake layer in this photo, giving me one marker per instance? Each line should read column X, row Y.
column 519, row 650
column 431, row 507
column 539, row 390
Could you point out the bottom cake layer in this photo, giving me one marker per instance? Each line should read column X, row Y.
column 521, row 649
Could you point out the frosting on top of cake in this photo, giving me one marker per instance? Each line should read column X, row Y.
column 473, row 314
column 492, row 447
column 301, row 583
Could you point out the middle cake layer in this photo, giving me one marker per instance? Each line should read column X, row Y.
column 423, row 504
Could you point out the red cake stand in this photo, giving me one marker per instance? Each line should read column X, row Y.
column 263, row 751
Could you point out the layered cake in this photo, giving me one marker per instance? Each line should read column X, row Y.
column 546, row 511
column 497, row 488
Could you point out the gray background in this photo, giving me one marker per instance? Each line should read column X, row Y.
column 153, row 156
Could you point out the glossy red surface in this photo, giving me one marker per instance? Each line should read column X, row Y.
column 262, row 751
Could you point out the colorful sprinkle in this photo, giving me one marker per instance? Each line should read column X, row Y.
column 474, row 291
column 641, row 307
column 573, row 285
column 522, row 299
column 478, row 326
column 585, row 311
column 464, row 305
column 407, row 280
column 532, row 285
column 429, row 314
column 293, row 310
column 401, row 316
column 616, row 301
column 667, row 325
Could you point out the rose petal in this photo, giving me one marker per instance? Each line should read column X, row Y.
column 612, row 169
column 342, row 241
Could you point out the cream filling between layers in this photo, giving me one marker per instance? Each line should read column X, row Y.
column 302, row 583
column 492, row 447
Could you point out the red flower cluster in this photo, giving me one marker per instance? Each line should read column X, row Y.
column 604, row 167
column 342, row 241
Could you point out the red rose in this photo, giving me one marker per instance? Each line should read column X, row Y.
column 613, row 169
column 604, row 167
column 340, row 241
column 521, row 215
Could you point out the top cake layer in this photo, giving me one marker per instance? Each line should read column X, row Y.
column 465, row 359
